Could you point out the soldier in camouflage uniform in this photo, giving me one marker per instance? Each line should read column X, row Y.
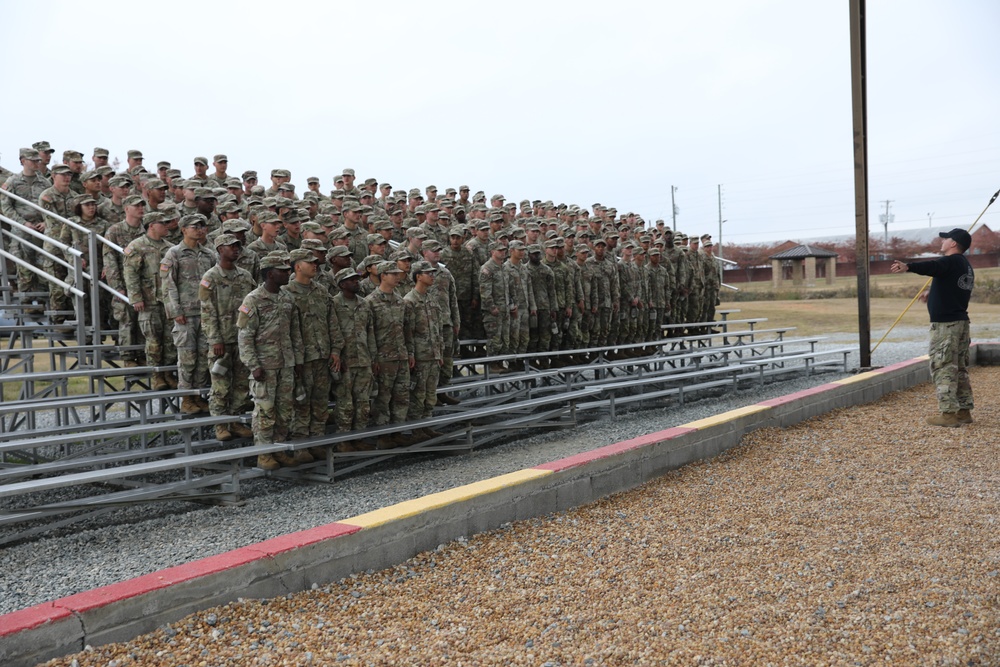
column 696, row 289
column 582, row 328
column 713, row 279
column 629, row 296
column 57, row 199
column 29, row 185
column 462, row 264
column 317, row 342
column 121, row 234
column 85, row 218
column 142, row 282
column 444, row 293
column 112, row 208
column 222, row 290
column 522, row 298
column 952, row 282
column 682, row 277
column 181, row 270
column 392, row 345
column 607, row 292
column 543, row 287
column 424, row 320
column 495, row 300
column 352, row 392
column 265, row 343
column 659, row 280
column 564, row 291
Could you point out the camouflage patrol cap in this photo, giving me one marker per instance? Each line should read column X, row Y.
column 420, row 210
column 421, row 267
column 249, row 174
column 302, row 255
column 225, row 239
column 387, row 267
column 599, row 240
column 497, row 197
column 456, row 230
column 338, row 251
column 173, row 173
column 153, row 217
column 157, row 184
column 104, row 170
column 480, row 207
column 516, row 245
column 120, row 182
column 275, row 260
column 163, row 164
column 286, row 187
column 61, row 169
column 376, row 239
column 313, row 245
column 313, row 227
column 365, row 209
column 534, row 248
column 533, row 227
column 450, row 192
column 654, row 251
column 313, row 179
column 134, row 154
column 555, row 243
column 220, row 157
column 169, row 210
column 495, row 246
column 137, row 169
column 415, row 193
column 194, row 220
column 347, row 172
column 583, row 250
column 42, row 147
column 89, row 175
column 29, row 154
column 336, row 194
column 415, row 233
column 235, row 226
column 84, row 199
column 345, row 274
column 101, row 152
column 431, row 244
column 371, row 181
column 384, row 224
column 204, row 193
column 234, row 183
column 351, row 206
column 401, row 255
column 134, row 200
column 431, row 188
column 482, row 226
column 226, row 207
column 266, row 217
column 338, row 234
column 201, row 160
column 496, row 216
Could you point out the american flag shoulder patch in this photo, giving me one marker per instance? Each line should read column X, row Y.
column 205, row 282
column 244, row 309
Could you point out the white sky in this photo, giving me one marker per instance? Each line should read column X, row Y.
column 578, row 102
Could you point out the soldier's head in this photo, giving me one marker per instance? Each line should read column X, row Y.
column 204, row 200
column 134, row 159
column 201, row 167
column 45, row 151
column 389, row 274
column 600, row 247
column 100, row 157
column 228, row 247
column 31, row 161
column 535, row 254
column 348, row 177
column 221, row 163
column 275, row 269
column 348, row 281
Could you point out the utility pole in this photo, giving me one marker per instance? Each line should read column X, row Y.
column 673, row 207
column 859, row 112
column 930, row 217
column 720, row 220
column 886, row 219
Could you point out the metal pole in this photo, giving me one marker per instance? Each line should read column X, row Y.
column 859, row 99
column 673, row 207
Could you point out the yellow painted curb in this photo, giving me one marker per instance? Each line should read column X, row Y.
column 860, row 377
column 726, row 416
column 417, row 505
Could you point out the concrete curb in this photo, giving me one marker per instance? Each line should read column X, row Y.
column 389, row 536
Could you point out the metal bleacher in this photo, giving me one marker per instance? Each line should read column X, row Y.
column 82, row 435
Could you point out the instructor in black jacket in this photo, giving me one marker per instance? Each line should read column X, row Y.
column 948, row 305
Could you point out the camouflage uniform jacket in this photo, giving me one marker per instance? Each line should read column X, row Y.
column 564, row 284
column 354, row 317
column 465, row 271
column 590, row 280
column 543, row 286
column 121, row 234
column 445, row 295
column 315, row 333
column 30, row 189
column 181, row 270
column 713, row 272
column 392, row 338
column 261, row 248
column 142, row 269
column 265, row 339
column 479, row 250
column 81, row 240
column 423, row 319
column 658, row 285
column 61, row 204
column 494, row 288
column 249, row 261
column 519, row 281
column 221, row 293
column 628, row 283
column 111, row 211
column 607, row 289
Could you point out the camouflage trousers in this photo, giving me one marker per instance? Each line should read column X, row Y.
column 950, row 365
column 26, row 249
column 711, row 300
column 423, row 389
column 128, row 328
column 694, row 306
column 192, row 353
column 447, row 354
column 519, row 331
column 602, row 327
column 654, row 318
column 497, row 328
column 231, row 387
column 540, row 336
column 393, row 399
column 311, row 404
column 160, row 350
column 272, row 411
column 352, row 396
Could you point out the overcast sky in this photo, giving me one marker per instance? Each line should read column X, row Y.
column 578, row 102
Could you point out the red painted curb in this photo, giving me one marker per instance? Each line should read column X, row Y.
column 48, row 612
column 788, row 398
column 616, row 448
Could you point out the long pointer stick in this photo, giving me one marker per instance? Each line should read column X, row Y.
column 921, row 291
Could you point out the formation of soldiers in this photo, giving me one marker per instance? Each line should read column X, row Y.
column 361, row 295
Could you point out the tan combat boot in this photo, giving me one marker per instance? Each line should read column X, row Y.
column 385, row 442
column 160, row 382
column 240, row 430
column 302, row 456
column 946, row 419
column 318, row 453
column 267, row 462
column 965, row 416
column 189, row 407
column 202, row 403
column 171, row 379
column 285, row 459
column 222, row 433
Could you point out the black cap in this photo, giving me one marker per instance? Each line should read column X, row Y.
column 959, row 236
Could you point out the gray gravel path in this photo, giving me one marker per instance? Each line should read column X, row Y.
column 139, row 540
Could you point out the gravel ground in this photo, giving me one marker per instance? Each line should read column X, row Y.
column 105, row 550
column 815, row 544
